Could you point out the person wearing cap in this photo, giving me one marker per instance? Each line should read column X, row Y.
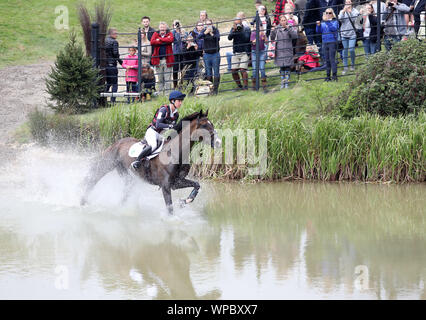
column 164, row 119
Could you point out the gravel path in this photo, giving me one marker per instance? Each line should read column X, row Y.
column 22, row 90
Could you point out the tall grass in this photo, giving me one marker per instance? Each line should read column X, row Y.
column 305, row 140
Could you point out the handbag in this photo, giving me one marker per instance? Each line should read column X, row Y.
column 359, row 32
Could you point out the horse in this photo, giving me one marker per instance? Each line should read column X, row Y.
column 168, row 170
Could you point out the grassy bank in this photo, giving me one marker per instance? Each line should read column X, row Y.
column 29, row 34
column 306, row 138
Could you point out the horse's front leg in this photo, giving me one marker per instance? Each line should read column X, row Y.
column 167, row 194
column 186, row 183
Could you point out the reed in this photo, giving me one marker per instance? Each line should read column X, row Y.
column 305, row 139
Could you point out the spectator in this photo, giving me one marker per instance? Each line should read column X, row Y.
column 329, row 28
column 284, row 35
column 382, row 8
column 241, row 47
column 279, row 10
column 347, row 18
column 191, row 55
column 257, row 4
column 196, row 35
column 300, row 6
column 178, row 36
column 407, row 16
column 130, row 63
column 289, row 14
column 417, row 7
column 203, row 16
column 309, row 60
column 145, row 27
column 369, row 27
column 300, row 43
column 148, row 81
column 265, row 20
column 112, row 57
column 262, row 57
column 162, row 57
column 336, row 5
column 241, row 15
column 146, row 49
column 312, row 15
column 199, row 40
column 395, row 26
column 211, row 55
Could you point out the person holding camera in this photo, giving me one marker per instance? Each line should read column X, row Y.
column 211, row 55
column 395, row 24
column 328, row 28
column 191, row 55
column 178, row 36
column 241, row 47
column 284, row 34
column 347, row 18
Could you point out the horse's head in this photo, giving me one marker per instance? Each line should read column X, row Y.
column 204, row 129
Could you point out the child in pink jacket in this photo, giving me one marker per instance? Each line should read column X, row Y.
column 130, row 63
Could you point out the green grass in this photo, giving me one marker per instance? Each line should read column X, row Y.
column 29, row 34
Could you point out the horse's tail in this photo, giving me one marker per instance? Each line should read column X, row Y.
column 106, row 162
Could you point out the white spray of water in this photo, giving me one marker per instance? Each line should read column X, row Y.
column 53, row 178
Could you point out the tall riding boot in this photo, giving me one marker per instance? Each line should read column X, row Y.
column 216, row 83
column 236, row 78
column 264, row 85
column 244, row 75
column 145, row 152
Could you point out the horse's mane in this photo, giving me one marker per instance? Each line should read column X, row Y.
column 190, row 117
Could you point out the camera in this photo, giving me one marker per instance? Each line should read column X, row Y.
column 239, row 27
column 177, row 24
column 390, row 4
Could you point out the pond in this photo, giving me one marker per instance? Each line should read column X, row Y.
column 287, row 240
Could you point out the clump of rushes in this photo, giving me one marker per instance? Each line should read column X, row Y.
column 305, row 140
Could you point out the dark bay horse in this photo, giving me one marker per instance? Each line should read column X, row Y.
column 168, row 170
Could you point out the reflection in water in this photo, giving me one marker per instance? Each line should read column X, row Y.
column 346, row 225
column 276, row 241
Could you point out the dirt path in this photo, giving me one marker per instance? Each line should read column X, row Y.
column 21, row 91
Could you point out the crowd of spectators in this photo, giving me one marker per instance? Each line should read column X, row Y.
column 300, row 35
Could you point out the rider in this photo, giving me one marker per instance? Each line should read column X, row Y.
column 165, row 118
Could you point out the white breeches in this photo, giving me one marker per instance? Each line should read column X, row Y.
column 152, row 136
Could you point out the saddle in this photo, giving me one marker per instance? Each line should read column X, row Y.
column 136, row 149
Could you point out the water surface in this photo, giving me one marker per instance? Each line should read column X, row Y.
column 236, row 241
